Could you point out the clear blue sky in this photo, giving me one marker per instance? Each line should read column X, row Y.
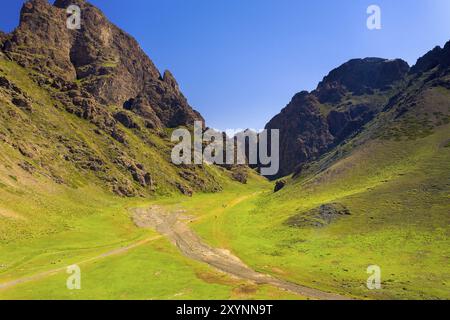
column 239, row 62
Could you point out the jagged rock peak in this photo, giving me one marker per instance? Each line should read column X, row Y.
column 434, row 58
column 169, row 79
column 107, row 63
column 67, row 3
column 361, row 76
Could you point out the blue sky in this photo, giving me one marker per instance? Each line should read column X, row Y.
column 239, row 62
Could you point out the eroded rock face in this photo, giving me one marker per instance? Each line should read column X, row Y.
column 307, row 131
column 3, row 38
column 106, row 63
column 345, row 123
column 438, row 57
column 360, row 76
column 304, row 132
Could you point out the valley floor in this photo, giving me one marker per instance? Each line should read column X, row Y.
column 399, row 221
column 144, row 265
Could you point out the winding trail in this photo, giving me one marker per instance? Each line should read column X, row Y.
column 45, row 274
column 172, row 226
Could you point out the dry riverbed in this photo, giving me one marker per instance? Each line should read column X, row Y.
column 174, row 226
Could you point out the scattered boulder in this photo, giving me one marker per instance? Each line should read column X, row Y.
column 240, row 174
column 119, row 136
column 143, row 178
column 137, row 171
column 184, row 190
column 123, row 189
column 22, row 103
column 6, row 84
column 27, row 150
column 28, row 167
column 126, row 119
column 279, row 185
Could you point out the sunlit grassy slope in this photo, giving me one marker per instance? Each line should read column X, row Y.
column 54, row 212
column 55, row 166
column 398, row 195
column 393, row 177
column 154, row 269
column 396, row 186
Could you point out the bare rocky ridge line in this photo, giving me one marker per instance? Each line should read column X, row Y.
column 172, row 226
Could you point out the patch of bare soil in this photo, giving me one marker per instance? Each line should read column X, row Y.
column 172, row 226
column 10, row 214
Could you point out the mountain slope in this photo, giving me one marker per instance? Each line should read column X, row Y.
column 85, row 124
column 85, row 120
column 348, row 98
column 72, row 121
column 379, row 197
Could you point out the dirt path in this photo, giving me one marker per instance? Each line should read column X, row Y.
column 45, row 274
column 172, row 226
column 122, row 250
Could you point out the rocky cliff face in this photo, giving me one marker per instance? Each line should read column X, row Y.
column 348, row 98
column 359, row 77
column 96, row 66
column 353, row 95
column 121, row 102
column 304, row 132
column 438, row 57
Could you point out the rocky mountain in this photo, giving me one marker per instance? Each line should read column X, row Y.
column 124, row 107
column 100, row 75
column 348, row 99
column 96, row 65
column 304, row 132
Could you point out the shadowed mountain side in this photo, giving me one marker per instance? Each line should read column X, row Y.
column 349, row 98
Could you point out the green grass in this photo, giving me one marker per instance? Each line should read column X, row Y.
column 59, row 214
column 398, row 196
column 155, row 270
column 399, row 221
column 397, row 192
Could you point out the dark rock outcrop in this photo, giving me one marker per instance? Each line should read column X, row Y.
column 319, row 217
column 345, row 123
column 438, row 57
column 279, row 185
column 312, row 123
column 240, row 174
column 107, row 63
column 126, row 120
column 304, row 132
column 360, row 76
column 184, row 189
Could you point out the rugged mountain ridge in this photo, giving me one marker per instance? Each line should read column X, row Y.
column 98, row 65
column 349, row 97
column 98, row 73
